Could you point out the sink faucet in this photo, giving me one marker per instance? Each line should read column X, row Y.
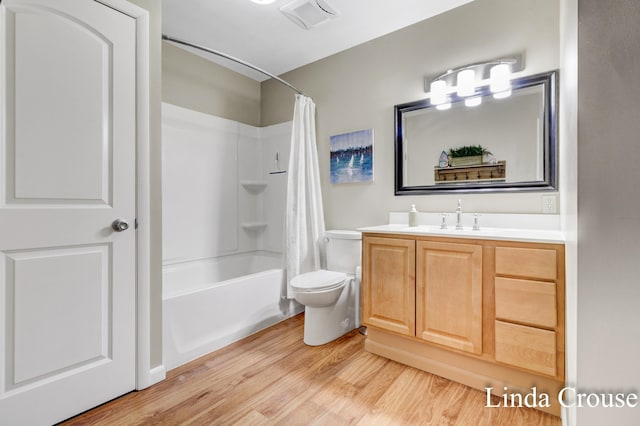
column 476, row 225
column 459, row 216
column 443, row 224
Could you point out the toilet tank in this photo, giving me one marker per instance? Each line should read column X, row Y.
column 344, row 250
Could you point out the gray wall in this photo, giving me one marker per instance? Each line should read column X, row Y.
column 193, row 82
column 608, row 321
column 357, row 89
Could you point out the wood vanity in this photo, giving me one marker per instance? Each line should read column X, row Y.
column 483, row 312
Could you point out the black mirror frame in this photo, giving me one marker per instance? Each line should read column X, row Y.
column 548, row 80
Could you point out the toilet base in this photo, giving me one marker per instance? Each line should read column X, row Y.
column 325, row 324
column 321, row 327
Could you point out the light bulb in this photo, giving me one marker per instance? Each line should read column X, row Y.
column 438, row 92
column 466, row 82
column 502, row 95
column 444, row 107
column 472, row 102
column 500, row 78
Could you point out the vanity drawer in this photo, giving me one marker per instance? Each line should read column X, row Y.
column 526, row 347
column 526, row 262
column 525, row 301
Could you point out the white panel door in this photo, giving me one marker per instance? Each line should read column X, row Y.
column 67, row 171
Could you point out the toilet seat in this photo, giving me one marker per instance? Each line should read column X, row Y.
column 320, row 280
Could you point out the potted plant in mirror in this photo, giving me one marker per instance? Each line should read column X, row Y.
column 468, row 155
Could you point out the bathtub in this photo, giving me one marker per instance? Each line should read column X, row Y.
column 208, row 304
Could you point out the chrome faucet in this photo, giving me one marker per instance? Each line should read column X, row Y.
column 459, row 216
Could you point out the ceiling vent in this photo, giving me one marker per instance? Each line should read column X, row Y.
column 309, row 13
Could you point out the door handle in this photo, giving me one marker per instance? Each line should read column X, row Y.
column 119, row 225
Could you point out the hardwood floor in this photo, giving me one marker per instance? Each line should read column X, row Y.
column 272, row 378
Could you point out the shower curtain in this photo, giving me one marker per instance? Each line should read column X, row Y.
column 304, row 220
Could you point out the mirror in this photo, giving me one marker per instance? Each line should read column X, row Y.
column 517, row 134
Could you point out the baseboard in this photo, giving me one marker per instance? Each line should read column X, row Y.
column 476, row 373
column 155, row 375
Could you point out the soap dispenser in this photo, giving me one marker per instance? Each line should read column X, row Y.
column 413, row 216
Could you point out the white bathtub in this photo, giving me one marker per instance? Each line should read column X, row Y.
column 210, row 303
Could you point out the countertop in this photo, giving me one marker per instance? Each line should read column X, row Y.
column 503, row 234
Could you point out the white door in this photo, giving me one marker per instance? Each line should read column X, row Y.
column 67, row 171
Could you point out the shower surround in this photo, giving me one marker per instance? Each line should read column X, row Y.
column 223, row 217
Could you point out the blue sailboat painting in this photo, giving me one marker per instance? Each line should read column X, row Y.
column 352, row 157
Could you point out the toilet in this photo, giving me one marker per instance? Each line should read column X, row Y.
column 331, row 297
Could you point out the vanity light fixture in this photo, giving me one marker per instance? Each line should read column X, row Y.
column 500, row 78
column 502, row 95
column 469, row 82
column 438, row 92
column 473, row 101
column 466, row 82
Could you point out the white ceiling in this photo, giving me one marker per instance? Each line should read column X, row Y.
column 263, row 36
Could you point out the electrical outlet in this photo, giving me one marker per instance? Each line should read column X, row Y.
column 549, row 204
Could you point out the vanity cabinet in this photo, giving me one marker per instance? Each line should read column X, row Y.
column 431, row 290
column 529, row 309
column 449, row 294
column 486, row 313
column 388, row 284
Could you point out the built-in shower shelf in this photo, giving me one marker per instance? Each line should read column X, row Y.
column 254, row 226
column 254, row 186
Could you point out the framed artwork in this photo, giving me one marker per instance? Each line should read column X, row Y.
column 351, row 157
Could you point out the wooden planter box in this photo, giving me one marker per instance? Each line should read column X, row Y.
column 473, row 160
column 483, row 172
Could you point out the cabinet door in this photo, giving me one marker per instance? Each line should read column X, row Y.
column 388, row 284
column 449, row 294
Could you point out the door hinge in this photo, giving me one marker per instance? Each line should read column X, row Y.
column 135, row 221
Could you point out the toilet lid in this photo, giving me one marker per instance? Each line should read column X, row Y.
column 318, row 280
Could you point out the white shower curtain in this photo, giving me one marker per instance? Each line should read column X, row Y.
column 304, row 221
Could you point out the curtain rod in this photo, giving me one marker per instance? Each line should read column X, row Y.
column 231, row 58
